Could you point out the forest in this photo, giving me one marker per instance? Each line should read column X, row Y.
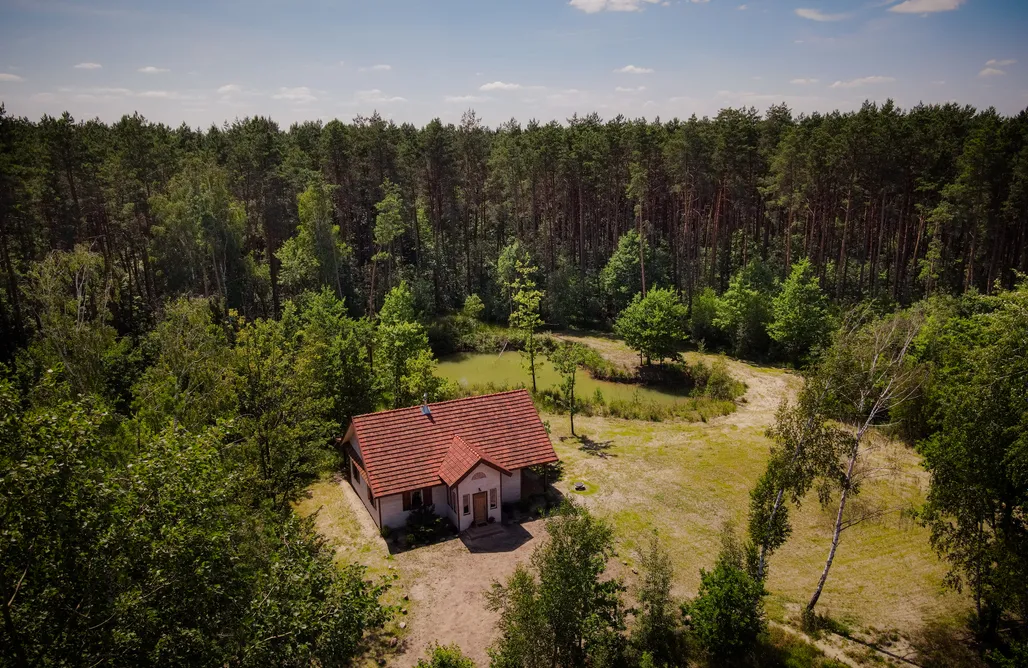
column 191, row 317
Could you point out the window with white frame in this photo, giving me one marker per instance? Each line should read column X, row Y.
column 492, row 497
column 467, row 504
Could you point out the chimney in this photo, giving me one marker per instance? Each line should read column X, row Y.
column 425, row 410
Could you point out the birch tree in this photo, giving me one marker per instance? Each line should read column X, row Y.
column 870, row 376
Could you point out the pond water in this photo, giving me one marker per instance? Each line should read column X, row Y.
column 506, row 369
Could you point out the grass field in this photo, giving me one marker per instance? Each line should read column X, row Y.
column 685, row 481
column 470, row 369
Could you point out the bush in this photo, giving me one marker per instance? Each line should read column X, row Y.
column 728, row 613
column 704, row 311
column 423, row 525
column 445, row 656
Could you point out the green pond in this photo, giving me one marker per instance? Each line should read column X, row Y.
column 471, row 369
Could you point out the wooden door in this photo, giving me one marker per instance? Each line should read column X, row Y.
column 480, row 502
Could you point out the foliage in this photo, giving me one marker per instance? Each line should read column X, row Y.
column 566, row 358
column 620, row 278
column 283, row 420
column 153, row 559
column 800, row 319
column 727, row 616
column 744, row 311
column 423, row 525
column 569, row 616
column 806, row 449
column 653, row 325
column 658, row 630
column 445, row 656
column 525, row 316
column 977, row 450
column 408, row 367
column 703, row 315
column 316, row 256
column 191, row 380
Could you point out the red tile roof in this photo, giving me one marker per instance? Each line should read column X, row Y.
column 404, row 449
column 461, row 458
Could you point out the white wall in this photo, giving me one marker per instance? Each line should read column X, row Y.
column 512, row 487
column 361, row 488
column 393, row 514
column 470, row 485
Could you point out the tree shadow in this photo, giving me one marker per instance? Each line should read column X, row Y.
column 495, row 538
column 595, row 448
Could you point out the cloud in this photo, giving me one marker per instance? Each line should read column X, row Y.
column 167, row 95
column 4, row 76
column 991, row 72
column 741, row 8
column 500, row 85
column 1000, row 63
column 150, row 69
column 377, row 68
column 803, row 82
column 593, row 6
column 462, row 99
column 88, row 66
column 628, row 89
column 230, row 88
column 818, row 15
column 300, row 94
column 375, row 96
column 863, row 81
column 632, row 69
column 926, row 6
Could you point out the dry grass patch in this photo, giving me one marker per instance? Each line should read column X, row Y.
column 686, row 480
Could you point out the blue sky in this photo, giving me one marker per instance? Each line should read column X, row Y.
column 413, row 60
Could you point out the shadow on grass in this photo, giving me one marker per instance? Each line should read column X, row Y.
column 595, row 448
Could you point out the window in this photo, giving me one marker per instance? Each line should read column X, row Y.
column 492, row 497
column 453, row 499
column 415, row 499
column 478, row 476
column 371, row 495
column 467, row 504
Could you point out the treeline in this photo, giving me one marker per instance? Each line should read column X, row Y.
column 885, row 203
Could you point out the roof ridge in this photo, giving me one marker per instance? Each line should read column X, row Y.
column 440, row 403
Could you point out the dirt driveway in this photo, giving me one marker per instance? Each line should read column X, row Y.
column 444, row 584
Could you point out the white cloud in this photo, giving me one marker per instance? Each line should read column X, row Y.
column 150, row 69
column 88, row 66
column 1001, row 63
column 863, row 81
column 4, row 76
column 375, row 96
column 818, row 15
column 500, row 85
column 991, row 72
column 803, row 82
column 628, row 89
column 926, row 6
column 230, row 88
column 299, row 94
column 167, row 95
column 462, row 99
column 741, row 8
column 593, row 6
column 632, row 69
column 377, row 68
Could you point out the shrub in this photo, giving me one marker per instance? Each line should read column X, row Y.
column 445, row 656
column 720, row 384
column 704, row 311
column 728, row 613
column 423, row 525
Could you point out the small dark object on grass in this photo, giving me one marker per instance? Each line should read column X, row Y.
column 579, row 486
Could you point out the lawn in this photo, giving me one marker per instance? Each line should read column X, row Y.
column 684, row 480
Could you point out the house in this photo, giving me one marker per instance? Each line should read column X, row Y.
column 464, row 456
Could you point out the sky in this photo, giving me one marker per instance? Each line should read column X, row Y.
column 211, row 61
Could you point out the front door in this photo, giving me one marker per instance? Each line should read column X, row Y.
column 480, row 501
